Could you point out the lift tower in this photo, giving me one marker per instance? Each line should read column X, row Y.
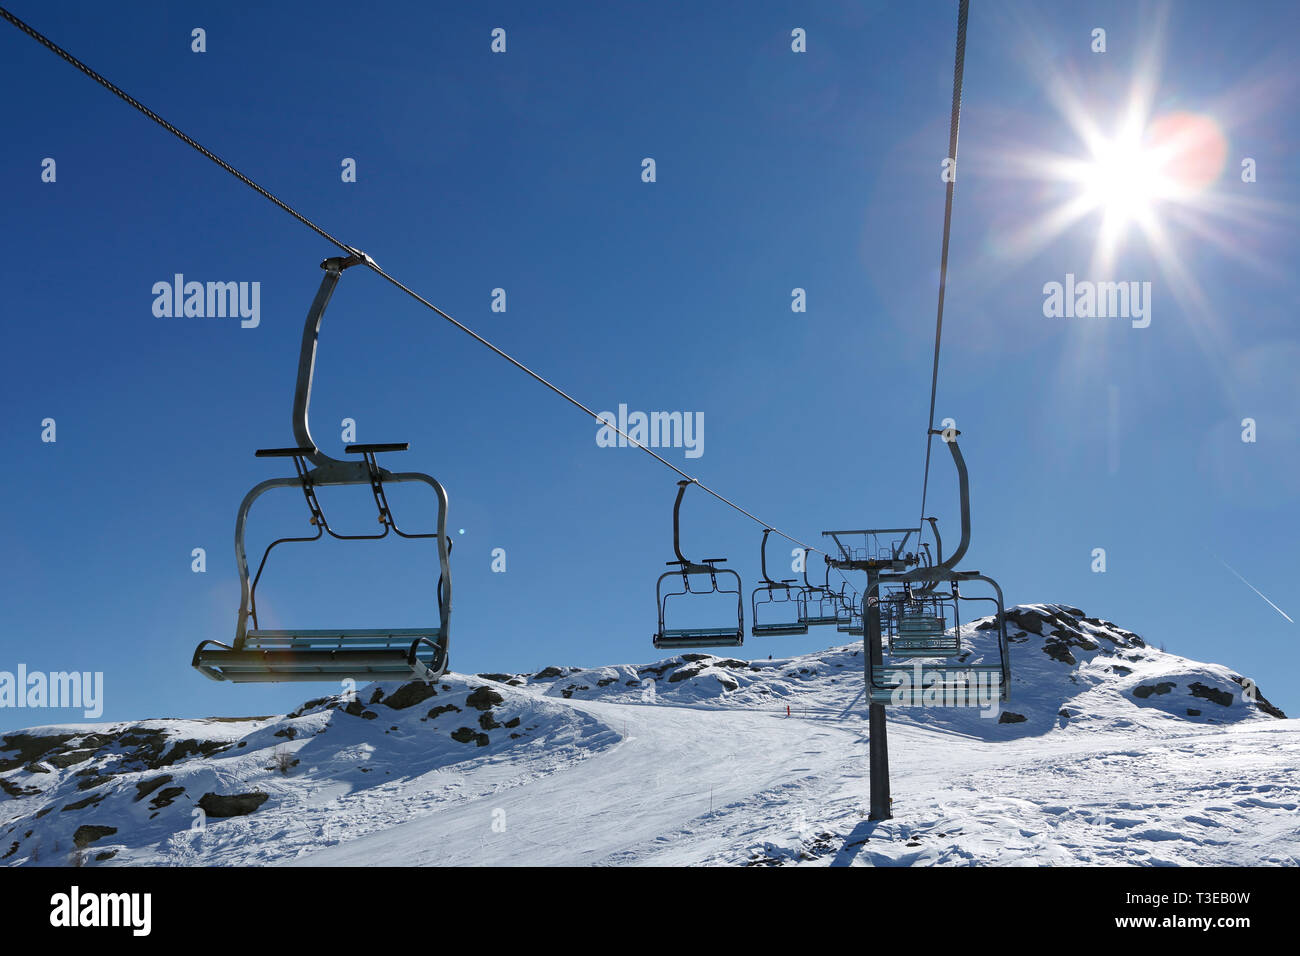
column 873, row 557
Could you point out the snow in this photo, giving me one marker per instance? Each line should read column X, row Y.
column 1126, row 755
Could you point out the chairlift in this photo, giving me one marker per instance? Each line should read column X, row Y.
column 917, row 624
column 820, row 602
column 925, row 662
column 271, row 655
column 777, row 595
column 848, row 618
column 666, row 637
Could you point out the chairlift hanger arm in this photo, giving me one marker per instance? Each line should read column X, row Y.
column 936, row 558
column 334, row 268
column 762, row 558
column 934, row 573
column 677, row 525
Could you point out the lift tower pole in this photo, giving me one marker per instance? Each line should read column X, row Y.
column 873, row 559
column 878, row 739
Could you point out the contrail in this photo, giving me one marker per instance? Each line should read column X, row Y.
column 1255, row 589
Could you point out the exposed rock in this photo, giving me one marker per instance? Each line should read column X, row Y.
column 444, row 709
column 465, row 735
column 231, row 805
column 91, row 781
column 69, row 758
column 1249, row 689
column 310, row 705
column 1007, row 717
column 87, row 834
column 29, row 747
column 1212, row 694
column 82, row 804
column 1146, row 690
column 16, row 791
column 143, row 747
column 484, row 698
column 190, row 748
column 410, row 694
column 356, row 709
column 165, row 797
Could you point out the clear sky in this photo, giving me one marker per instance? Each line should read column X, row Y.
column 775, row 170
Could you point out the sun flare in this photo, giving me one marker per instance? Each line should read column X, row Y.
column 1124, row 181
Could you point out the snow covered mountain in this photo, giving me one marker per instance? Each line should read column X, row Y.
column 1109, row 751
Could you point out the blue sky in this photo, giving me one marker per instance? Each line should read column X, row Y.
column 775, row 170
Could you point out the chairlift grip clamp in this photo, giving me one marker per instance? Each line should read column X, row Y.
column 357, row 257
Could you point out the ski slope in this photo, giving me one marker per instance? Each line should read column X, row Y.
column 1109, row 752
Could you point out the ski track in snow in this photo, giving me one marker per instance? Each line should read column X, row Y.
column 795, row 791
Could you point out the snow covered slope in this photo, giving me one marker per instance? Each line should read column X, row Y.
column 1110, row 751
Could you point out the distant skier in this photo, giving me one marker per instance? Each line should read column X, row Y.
column 787, row 710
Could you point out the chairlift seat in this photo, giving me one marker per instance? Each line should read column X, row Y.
column 820, row 620
column 700, row 637
column 922, row 635
column 314, row 655
column 780, row 629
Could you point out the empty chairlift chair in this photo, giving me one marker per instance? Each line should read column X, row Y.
column 682, row 637
column 921, row 663
column 917, row 625
column 848, row 619
column 331, row 654
column 820, row 603
column 775, row 597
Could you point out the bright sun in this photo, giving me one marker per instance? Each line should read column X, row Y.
column 1124, row 180
column 1131, row 179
